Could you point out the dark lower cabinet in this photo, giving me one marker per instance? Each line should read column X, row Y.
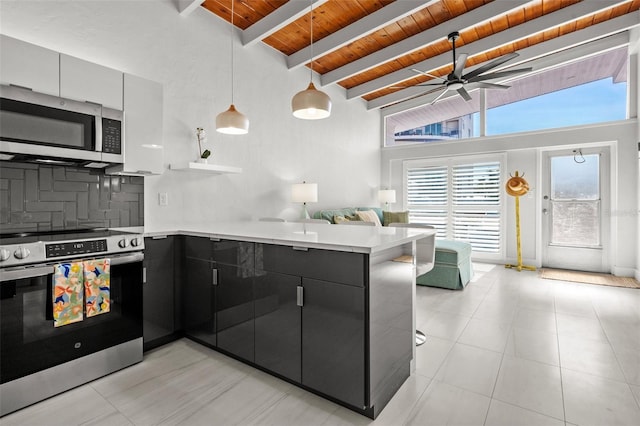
column 198, row 293
column 234, row 309
column 333, row 340
column 302, row 314
column 278, row 332
column 159, row 298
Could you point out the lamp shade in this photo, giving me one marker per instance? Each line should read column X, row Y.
column 387, row 195
column 311, row 104
column 232, row 122
column 304, row 192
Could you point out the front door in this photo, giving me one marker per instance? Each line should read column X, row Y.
column 575, row 230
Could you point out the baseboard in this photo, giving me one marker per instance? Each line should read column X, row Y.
column 624, row 272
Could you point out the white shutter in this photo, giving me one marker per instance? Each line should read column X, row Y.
column 463, row 202
column 427, row 197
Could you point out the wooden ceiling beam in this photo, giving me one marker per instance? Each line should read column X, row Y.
column 527, row 29
column 370, row 23
column 279, row 18
column 418, row 41
column 591, row 40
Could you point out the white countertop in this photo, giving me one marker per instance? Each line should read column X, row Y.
column 360, row 239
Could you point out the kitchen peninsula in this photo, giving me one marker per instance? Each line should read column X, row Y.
column 325, row 307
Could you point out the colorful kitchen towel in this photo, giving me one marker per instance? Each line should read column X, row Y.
column 97, row 286
column 67, row 293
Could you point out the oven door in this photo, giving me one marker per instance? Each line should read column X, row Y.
column 29, row 342
column 45, row 126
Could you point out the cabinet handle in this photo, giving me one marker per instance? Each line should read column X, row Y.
column 214, row 239
column 300, row 296
column 20, row 87
column 215, row 276
column 144, row 275
column 158, row 237
column 300, row 248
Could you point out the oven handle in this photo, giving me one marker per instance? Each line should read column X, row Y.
column 46, row 269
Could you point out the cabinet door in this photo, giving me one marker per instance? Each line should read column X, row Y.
column 86, row 81
column 333, row 333
column 144, row 152
column 158, row 290
column 198, row 248
column 198, row 298
column 278, row 324
column 27, row 65
column 234, row 309
column 240, row 253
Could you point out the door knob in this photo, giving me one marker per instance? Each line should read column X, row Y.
column 545, row 211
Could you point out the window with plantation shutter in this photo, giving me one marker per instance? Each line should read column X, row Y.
column 462, row 199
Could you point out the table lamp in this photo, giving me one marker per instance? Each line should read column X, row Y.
column 304, row 193
column 387, row 196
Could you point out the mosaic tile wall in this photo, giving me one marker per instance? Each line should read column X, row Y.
column 42, row 198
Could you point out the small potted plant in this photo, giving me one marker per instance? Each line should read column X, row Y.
column 204, row 155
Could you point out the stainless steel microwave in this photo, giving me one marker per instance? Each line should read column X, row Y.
column 35, row 127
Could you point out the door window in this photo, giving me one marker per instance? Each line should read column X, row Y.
column 575, row 200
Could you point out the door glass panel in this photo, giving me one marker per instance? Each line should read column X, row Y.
column 575, row 200
column 575, row 177
column 575, row 223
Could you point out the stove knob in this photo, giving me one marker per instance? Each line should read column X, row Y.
column 135, row 242
column 4, row 255
column 22, row 253
column 123, row 243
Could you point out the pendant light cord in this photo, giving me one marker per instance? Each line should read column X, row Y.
column 311, row 40
column 231, row 38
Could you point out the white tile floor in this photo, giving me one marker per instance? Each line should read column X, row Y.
column 511, row 349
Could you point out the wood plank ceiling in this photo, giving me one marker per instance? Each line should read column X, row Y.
column 369, row 47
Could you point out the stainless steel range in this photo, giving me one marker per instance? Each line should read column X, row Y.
column 40, row 355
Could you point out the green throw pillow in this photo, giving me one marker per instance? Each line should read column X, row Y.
column 395, row 217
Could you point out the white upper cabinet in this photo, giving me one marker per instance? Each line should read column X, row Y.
column 86, row 81
column 27, row 65
column 144, row 153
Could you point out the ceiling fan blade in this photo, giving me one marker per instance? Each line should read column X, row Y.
column 427, row 74
column 498, row 74
column 439, row 96
column 462, row 61
column 482, row 85
column 463, row 92
column 486, row 67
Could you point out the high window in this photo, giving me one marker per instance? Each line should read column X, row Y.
column 461, row 197
column 590, row 90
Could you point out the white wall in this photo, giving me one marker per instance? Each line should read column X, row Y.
column 190, row 56
column 523, row 154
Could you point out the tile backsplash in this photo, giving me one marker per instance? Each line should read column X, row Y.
column 42, row 198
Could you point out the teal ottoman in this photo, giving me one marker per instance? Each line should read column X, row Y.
column 452, row 267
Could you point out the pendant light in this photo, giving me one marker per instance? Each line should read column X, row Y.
column 232, row 121
column 311, row 103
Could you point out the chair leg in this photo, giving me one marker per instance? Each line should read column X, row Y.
column 420, row 338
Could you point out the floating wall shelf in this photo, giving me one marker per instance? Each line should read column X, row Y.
column 205, row 168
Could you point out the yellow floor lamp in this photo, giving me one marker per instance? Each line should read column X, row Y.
column 517, row 186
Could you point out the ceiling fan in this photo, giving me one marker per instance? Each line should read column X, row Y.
column 456, row 80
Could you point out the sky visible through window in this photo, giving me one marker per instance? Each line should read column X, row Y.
column 594, row 102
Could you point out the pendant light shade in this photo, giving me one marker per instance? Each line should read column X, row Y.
column 232, row 121
column 311, row 103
